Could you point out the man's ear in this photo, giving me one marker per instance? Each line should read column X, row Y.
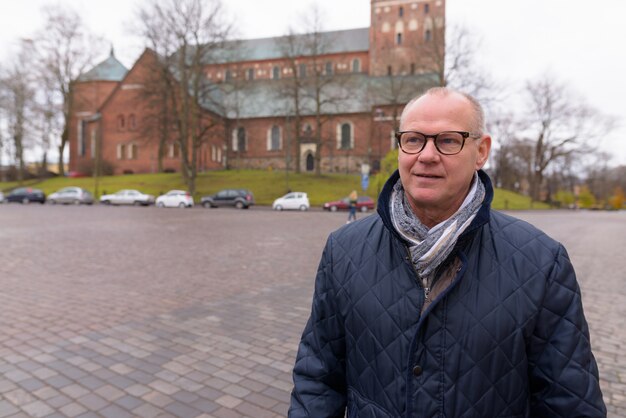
column 484, row 147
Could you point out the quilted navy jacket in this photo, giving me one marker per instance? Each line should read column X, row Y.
column 507, row 338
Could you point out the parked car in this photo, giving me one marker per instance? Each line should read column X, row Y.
column 2, row 197
column 26, row 195
column 363, row 203
column 74, row 195
column 127, row 197
column 175, row 199
column 292, row 201
column 239, row 198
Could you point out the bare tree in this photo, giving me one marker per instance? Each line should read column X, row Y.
column 185, row 34
column 559, row 125
column 324, row 91
column 65, row 50
column 293, row 51
column 17, row 93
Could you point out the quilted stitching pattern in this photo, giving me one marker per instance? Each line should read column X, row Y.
column 500, row 335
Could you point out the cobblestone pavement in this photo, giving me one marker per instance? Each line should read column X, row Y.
column 145, row 312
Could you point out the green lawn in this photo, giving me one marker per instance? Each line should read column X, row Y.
column 266, row 186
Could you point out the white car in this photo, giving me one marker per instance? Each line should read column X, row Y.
column 175, row 199
column 293, row 201
column 127, row 197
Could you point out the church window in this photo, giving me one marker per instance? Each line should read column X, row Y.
column 329, row 68
column 274, row 138
column 345, row 136
column 356, row 65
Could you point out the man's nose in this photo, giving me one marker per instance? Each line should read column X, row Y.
column 430, row 152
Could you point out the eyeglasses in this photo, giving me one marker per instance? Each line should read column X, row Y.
column 447, row 143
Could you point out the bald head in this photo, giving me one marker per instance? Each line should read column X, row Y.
column 478, row 115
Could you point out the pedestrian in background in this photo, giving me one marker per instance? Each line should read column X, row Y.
column 352, row 199
column 440, row 306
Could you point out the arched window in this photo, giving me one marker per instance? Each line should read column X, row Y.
column 428, row 36
column 174, row 150
column 273, row 143
column 275, row 73
column 399, row 39
column 356, row 65
column 401, row 11
column 307, row 131
column 426, row 8
column 121, row 122
column 132, row 151
column 344, row 140
column 329, row 68
column 121, row 151
column 239, row 139
column 82, row 126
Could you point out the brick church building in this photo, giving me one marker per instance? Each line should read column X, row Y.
column 368, row 75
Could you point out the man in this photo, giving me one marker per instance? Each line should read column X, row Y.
column 438, row 306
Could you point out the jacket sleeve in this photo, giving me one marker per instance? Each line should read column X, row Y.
column 319, row 372
column 563, row 372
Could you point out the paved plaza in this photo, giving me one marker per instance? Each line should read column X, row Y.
column 144, row 312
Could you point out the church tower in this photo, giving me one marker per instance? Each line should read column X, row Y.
column 406, row 36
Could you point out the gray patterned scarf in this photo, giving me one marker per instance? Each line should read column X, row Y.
column 430, row 247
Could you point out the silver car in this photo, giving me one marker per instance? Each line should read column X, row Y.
column 73, row 195
column 127, row 197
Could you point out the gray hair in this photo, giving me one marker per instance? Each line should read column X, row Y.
column 479, row 113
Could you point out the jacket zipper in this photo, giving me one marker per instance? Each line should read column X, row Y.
column 425, row 289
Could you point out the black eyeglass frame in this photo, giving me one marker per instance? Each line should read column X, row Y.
column 464, row 134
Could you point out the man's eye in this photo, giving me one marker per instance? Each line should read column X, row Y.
column 449, row 139
column 413, row 139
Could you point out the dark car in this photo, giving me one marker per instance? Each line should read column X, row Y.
column 239, row 198
column 363, row 203
column 26, row 195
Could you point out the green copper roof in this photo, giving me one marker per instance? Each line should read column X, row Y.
column 108, row 70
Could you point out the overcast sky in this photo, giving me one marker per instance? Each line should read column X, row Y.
column 579, row 42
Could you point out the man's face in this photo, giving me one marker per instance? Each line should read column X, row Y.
column 437, row 184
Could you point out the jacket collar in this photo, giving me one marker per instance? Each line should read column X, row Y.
column 482, row 217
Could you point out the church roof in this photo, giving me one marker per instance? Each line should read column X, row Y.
column 333, row 42
column 108, row 70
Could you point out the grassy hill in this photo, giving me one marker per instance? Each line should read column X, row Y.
column 266, row 186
